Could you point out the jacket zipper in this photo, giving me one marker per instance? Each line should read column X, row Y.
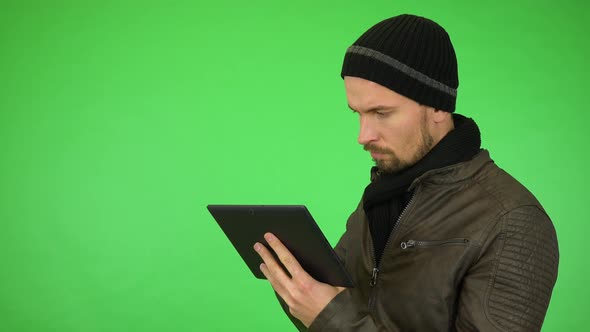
column 375, row 271
column 413, row 243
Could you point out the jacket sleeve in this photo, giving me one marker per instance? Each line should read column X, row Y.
column 341, row 314
column 344, row 315
column 509, row 286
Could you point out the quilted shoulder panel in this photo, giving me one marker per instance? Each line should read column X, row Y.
column 526, row 271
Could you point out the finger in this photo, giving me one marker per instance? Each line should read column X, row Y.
column 274, row 272
column 285, row 256
column 276, row 285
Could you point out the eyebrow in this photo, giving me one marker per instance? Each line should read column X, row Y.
column 374, row 109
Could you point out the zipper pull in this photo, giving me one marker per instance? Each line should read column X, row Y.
column 408, row 244
column 374, row 277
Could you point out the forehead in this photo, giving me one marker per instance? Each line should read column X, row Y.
column 363, row 94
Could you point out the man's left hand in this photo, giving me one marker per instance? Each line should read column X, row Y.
column 305, row 296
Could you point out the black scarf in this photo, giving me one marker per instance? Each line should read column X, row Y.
column 386, row 196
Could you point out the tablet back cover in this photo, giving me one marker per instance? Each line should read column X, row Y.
column 245, row 225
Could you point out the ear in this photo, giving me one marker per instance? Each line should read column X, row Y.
column 439, row 116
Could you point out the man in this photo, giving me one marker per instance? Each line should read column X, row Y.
column 443, row 239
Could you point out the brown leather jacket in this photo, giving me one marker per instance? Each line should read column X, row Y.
column 473, row 251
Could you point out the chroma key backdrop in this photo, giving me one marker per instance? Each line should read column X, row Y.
column 121, row 120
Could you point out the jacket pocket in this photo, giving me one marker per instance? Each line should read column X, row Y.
column 411, row 244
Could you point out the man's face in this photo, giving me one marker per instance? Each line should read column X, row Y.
column 393, row 128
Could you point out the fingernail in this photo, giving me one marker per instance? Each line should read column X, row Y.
column 257, row 247
column 268, row 237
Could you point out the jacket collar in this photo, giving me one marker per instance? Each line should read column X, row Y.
column 449, row 174
column 454, row 173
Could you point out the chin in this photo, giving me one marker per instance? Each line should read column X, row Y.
column 389, row 167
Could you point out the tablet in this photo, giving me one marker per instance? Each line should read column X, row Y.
column 245, row 225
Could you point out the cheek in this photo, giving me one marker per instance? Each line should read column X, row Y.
column 398, row 137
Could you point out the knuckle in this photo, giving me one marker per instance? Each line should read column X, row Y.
column 289, row 301
column 304, row 285
column 287, row 260
column 294, row 295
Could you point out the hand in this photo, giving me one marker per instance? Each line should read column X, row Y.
column 305, row 296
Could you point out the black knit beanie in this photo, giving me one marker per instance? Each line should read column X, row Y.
column 410, row 55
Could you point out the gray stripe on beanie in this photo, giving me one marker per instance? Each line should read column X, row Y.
column 403, row 68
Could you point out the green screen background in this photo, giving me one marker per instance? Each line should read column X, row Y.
column 120, row 121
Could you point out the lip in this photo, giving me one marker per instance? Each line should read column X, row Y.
column 376, row 155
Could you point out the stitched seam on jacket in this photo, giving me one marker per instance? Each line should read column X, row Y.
column 495, row 264
column 524, row 313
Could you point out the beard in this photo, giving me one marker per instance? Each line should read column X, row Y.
column 393, row 164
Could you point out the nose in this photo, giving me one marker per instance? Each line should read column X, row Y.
column 367, row 132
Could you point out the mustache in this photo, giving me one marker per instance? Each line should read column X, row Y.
column 377, row 149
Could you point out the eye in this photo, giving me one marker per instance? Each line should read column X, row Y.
column 382, row 114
